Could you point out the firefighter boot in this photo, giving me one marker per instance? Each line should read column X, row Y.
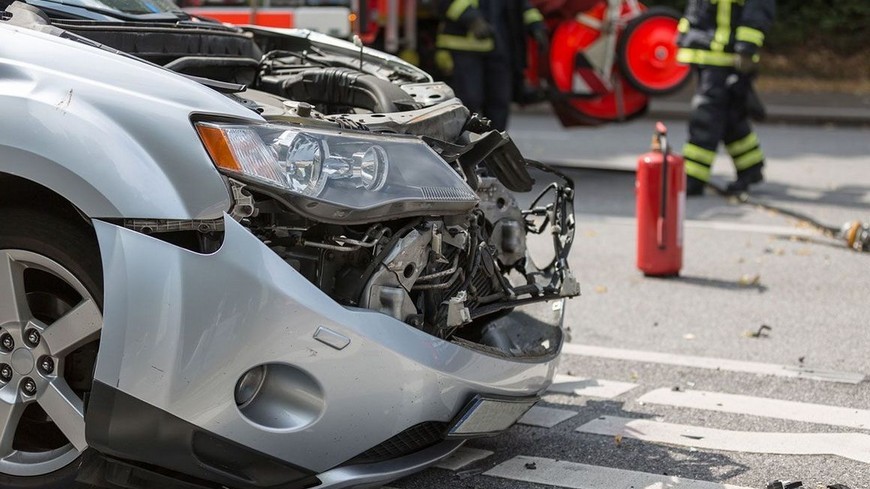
column 694, row 186
column 745, row 178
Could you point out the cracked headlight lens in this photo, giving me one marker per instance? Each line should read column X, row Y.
column 338, row 176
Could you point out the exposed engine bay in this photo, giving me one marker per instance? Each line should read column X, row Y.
column 447, row 259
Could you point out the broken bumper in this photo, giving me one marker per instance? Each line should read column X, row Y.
column 181, row 329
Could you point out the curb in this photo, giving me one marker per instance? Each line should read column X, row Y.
column 777, row 113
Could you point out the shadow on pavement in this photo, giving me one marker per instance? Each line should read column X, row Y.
column 563, row 443
column 732, row 285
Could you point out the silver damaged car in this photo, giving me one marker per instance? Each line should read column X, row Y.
column 256, row 258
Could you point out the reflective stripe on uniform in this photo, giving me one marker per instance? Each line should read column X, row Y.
column 464, row 43
column 697, row 170
column 742, row 145
column 531, row 16
column 702, row 57
column 749, row 159
column 723, row 26
column 458, row 7
column 683, row 26
column 748, row 34
column 699, row 154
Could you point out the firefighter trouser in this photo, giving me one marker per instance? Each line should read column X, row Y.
column 483, row 82
column 719, row 114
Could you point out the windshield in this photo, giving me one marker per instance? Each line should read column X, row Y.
column 135, row 7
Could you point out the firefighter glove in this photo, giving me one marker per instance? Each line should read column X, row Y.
column 480, row 28
column 745, row 63
column 444, row 62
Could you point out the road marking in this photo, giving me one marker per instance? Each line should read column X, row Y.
column 546, row 417
column 854, row 446
column 728, row 226
column 714, row 363
column 581, row 476
column 462, row 457
column 579, row 386
column 760, row 406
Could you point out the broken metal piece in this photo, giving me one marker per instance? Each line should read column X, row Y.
column 780, row 484
column 762, row 332
column 457, row 313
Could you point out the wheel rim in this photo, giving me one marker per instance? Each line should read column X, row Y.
column 34, row 349
column 651, row 54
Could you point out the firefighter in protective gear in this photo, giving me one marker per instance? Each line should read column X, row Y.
column 486, row 42
column 721, row 39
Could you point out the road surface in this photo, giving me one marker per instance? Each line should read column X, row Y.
column 667, row 382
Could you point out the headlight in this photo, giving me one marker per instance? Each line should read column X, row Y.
column 338, row 176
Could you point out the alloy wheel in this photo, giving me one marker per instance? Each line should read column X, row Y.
column 47, row 319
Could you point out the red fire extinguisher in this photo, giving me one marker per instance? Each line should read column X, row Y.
column 661, row 200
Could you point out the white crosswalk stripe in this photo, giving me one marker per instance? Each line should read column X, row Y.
column 546, row 417
column 579, row 386
column 854, row 446
column 759, row 406
column 580, row 476
column 714, row 363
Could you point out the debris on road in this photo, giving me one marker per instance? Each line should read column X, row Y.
column 747, row 280
column 762, row 332
column 779, row 484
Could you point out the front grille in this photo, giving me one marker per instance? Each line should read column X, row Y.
column 412, row 440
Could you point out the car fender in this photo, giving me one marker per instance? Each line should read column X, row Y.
column 112, row 135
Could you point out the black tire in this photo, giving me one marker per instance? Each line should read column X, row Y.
column 73, row 245
column 621, row 48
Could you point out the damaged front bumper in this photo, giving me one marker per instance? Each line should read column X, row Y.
column 342, row 387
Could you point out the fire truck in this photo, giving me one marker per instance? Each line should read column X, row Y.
column 333, row 17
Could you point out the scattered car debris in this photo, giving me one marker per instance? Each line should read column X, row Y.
column 748, row 280
column 761, row 332
column 780, row 484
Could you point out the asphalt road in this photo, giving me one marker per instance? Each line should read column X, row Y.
column 663, row 359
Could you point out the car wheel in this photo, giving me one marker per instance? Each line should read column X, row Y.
column 50, row 322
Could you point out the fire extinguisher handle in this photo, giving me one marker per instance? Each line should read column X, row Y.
column 662, row 133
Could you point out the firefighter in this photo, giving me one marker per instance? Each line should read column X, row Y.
column 721, row 39
column 485, row 40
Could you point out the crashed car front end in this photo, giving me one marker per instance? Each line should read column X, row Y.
column 324, row 280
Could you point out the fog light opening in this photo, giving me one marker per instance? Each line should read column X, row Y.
column 249, row 385
column 279, row 396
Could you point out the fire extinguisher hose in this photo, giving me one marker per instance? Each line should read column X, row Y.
column 856, row 234
column 662, row 134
